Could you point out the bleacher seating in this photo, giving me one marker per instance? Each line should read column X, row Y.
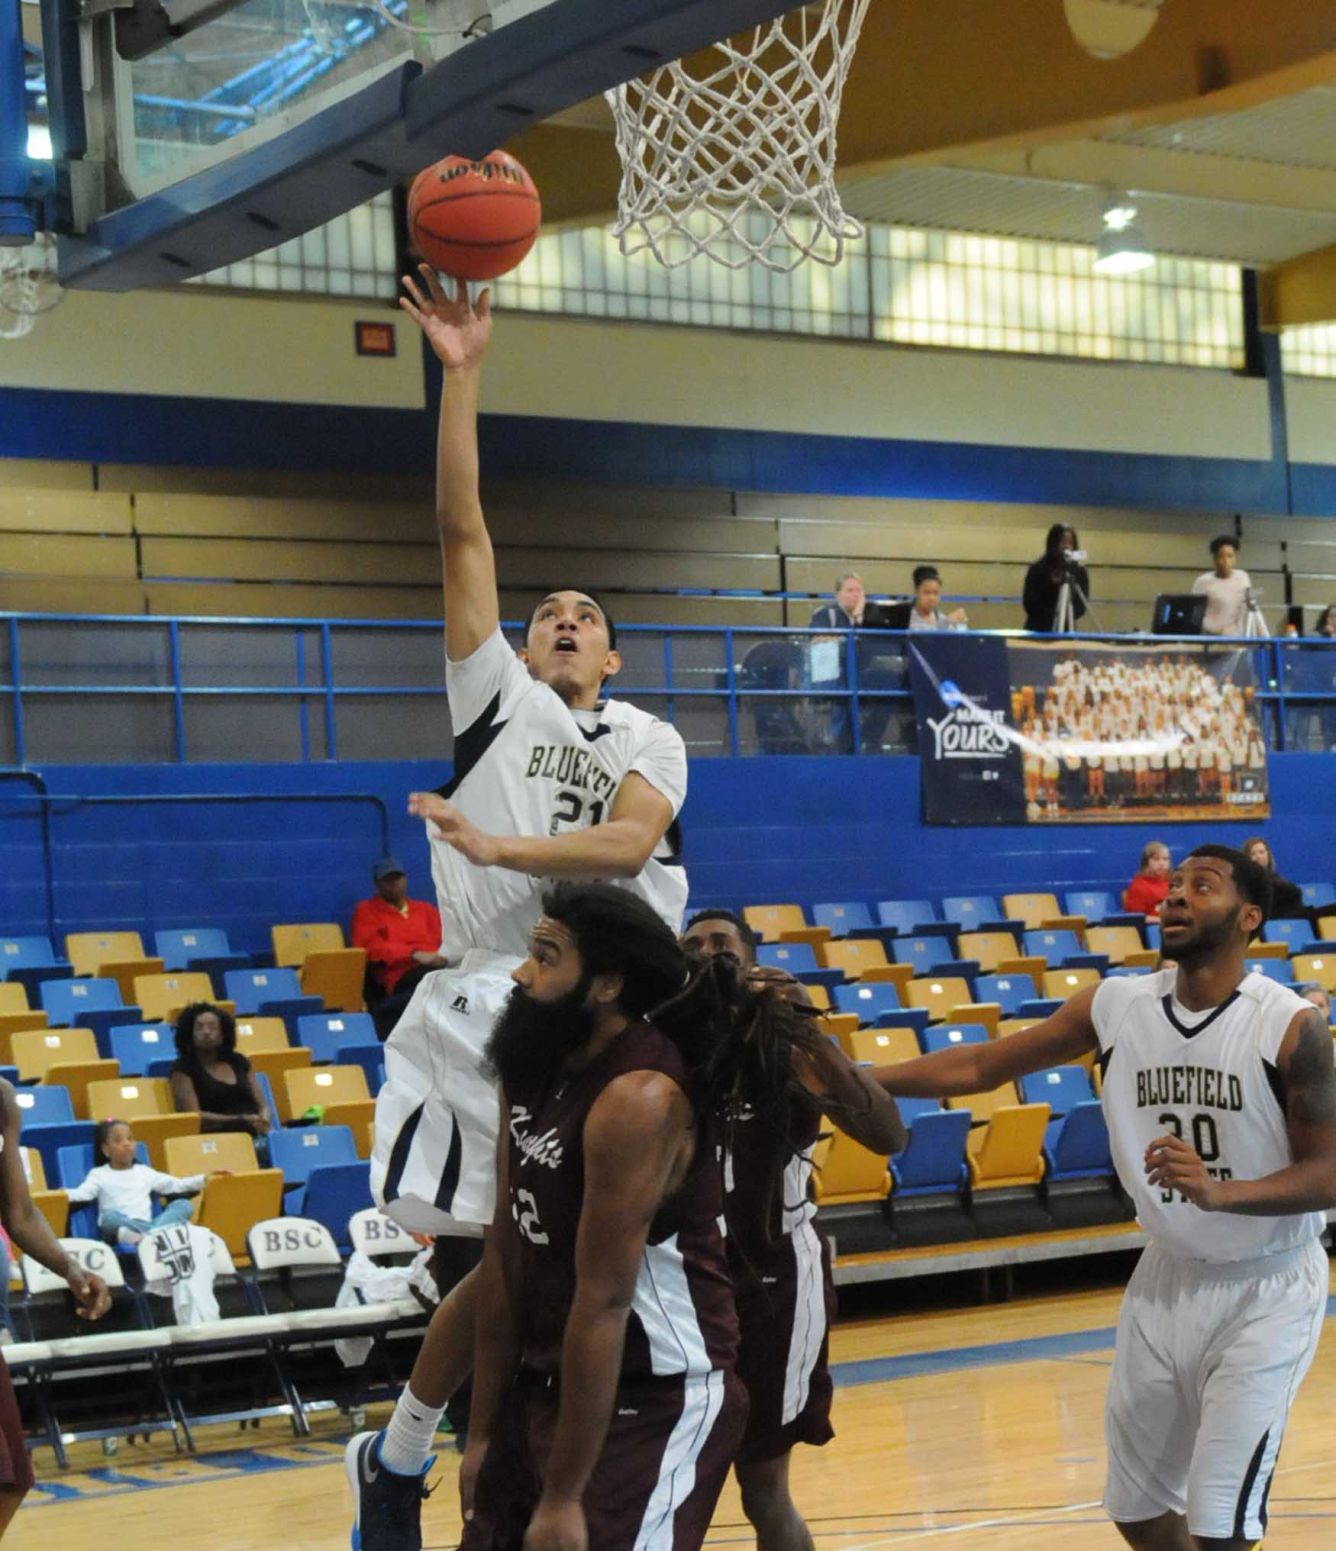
column 334, row 1192
column 134, row 1045
column 939, row 997
column 990, row 949
column 25, row 953
column 798, row 958
column 1298, row 936
column 854, row 955
column 924, row 953
column 971, row 912
column 323, row 1033
column 933, row 1159
column 128, row 1098
column 88, row 951
column 336, row 976
column 249, row 989
column 1316, row 895
column 1274, row 969
column 161, row 997
column 1009, row 991
column 770, row 922
column 179, row 947
column 1093, row 904
column 842, row 916
column 942, row 1036
column 298, row 1152
column 1054, row 945
column 905, row 915
column 869, row 1002
column 1320, row 967
column 1033, row 909
column 293, row 942
column 35, row 1051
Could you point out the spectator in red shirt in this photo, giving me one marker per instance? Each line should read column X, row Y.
column 1149, row 889
column 402, row 936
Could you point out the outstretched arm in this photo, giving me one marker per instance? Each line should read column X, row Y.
column 617, row 849
column 458, row 334
column 1065, row 1037
column 1306, row 1185
column 852, row 1099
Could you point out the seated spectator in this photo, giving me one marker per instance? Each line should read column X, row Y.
column 1044, row 579
column 1150, row 888
column 124, row 1188
column 401, row 936
column 1325, row 624
column 1287, row 900
column 211, row 1078
column 1225, row 589
column 924, row 614
column 1318, row 995
column 879, row 667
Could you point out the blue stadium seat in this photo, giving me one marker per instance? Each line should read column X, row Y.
column 134, row 1045
column 796, row 957
column 945, row 1036
column 924, row 953
column 842, row 916
column 323, row 1032
column 914, row 1109
column 34, row 976
column 67, row 1002
column 25, row 953
column 72, row 1166
column 1056, row 944
column 248, row 988
column 49, row 1139
column 43, row 1105
column 1093, row 904
column 973, row 912
column 370, row 1057
column 1039, row 1007
column 1008, row 991
column 301, row 1150
column 177, row 946
column 333, row 1193
column 1062, row 1088
column 1278, row 970
column 216, row 966
column 1298, row 934
column 933, row 1159
column 869, row 1001
column 159, row 1066
column 915, row 1018
column 1318, row 894
column 292, row 1010
column 267, row 1090
column 10, row 1074
column 1080, row 1147
column 1152, row 933
column 905, row 915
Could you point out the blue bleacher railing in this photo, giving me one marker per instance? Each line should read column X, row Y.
column 676, row 666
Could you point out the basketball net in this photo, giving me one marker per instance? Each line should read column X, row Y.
column 737, row 161
column 28, row 286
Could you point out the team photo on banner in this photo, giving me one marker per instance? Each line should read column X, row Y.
column 1033, row 732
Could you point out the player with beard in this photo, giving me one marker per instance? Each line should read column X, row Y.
column 606, row 1407
column 777, row 1254
column 551, row 780
column 1220, row 1096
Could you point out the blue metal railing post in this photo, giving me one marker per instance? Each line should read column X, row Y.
column 855, row 719
column 327, row 657
column 668, row 706
column 16, row 689
column 303, row 719
column 18, row 225
column 731, row 670
column 178, row 689
column 1276, row 667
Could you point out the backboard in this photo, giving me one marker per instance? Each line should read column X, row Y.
column 190, row 134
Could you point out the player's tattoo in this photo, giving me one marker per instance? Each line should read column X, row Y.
column 1312, row 1074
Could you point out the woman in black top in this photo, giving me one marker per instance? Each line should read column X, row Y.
column 211, row 1078
column 1287, row 900
column 1044, row 579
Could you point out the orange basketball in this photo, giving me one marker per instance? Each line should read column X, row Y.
column 474, row 220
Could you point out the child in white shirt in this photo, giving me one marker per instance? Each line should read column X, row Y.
column 123, row 1188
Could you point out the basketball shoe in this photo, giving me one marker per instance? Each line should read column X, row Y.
column 387, row 1508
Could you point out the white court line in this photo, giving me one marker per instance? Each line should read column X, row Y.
column 916, row 1535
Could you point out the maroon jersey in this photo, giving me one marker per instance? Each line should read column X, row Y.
column 768, row 1188
column 682, row 1318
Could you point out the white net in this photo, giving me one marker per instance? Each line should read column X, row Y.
column 750, row 132
column 28, row 286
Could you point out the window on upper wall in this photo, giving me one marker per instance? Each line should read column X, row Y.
column 354, row 255
column 909, row 286
column 1309, row 351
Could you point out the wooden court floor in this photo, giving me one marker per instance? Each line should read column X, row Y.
column 970, row 1426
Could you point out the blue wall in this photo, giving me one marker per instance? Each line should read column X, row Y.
column 757, row 830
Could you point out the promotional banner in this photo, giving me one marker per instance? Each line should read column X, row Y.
column 1087, row 732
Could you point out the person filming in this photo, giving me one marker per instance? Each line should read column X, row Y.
column 1061, row 563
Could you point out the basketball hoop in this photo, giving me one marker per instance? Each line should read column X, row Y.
column 28, row 286
column 737, row 161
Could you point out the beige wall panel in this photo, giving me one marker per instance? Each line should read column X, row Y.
column 544, row 568
column 288, row 561
column 282, row 517
column 61, row 595
column 63, row 511
column 295, row 484
column 258, row 601
column 689, row 535
column 593, row 500
column 44, row 474
column 36, row 554
column 1310, row 410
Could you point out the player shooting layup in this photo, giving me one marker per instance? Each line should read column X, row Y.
column 550, row 781
column 1220, row 1096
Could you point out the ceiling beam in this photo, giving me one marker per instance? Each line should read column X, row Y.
column 1302, row 290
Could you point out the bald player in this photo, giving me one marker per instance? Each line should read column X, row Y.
column 777, row 1255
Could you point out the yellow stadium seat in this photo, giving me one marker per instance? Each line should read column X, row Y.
column 1148, row 958
column 1268, row 950
column 209, row 1150
column 359, row 1115
column 1067, row 982
column 898, row 975
column 323, row 1086
column 157, row 996
column 232, row 1204
column 849, row 1172
column 13, row 996
column 337, row 975
column 275, row 1064
column 34, row 1170
column 987, row 1013
column 768, row 921
column 940, row 997
column 125, row 1098
column 1115, row 941
column 853, row 955
column 807, row 934
column 842, row 1025
column 254, row 1034
column 1008, row 1151
column 1315, row 966
column 1059, row 923
column 156, row 1130
column 983, row 1106
column 1033, row 909
column 990, row 948
column 54, row 1205
column 1326, row 928
column 1015, row 1026
column 884, row 1047
column 79, row 1077
column 88, row 951
column 14, row 1023
column 293, row 943
column 1032, row 964
column 126, row 971
column 35, row 1051
column 819, row 997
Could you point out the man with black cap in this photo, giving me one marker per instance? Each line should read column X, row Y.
column 401, row 936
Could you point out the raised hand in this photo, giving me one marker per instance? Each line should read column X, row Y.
column 481, row 849
column 455, row 329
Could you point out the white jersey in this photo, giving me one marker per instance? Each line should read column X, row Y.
column 526, row 764
column 1212, row 1079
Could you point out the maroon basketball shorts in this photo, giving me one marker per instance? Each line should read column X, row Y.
column 667, row 1453
column 785, row 1306
column 15, row 1464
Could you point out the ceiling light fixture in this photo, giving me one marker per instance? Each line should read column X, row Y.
column 1122, row 246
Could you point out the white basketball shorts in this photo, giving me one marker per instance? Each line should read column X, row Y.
column 1207, row 1363
column 433, row 1164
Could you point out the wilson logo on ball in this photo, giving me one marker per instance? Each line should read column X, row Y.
column 474, row 220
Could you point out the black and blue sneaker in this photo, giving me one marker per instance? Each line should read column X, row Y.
column 387, row 1508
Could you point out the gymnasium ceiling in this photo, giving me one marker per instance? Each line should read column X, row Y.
column 988, row 116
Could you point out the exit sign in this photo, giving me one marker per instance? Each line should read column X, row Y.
column 374, row 338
